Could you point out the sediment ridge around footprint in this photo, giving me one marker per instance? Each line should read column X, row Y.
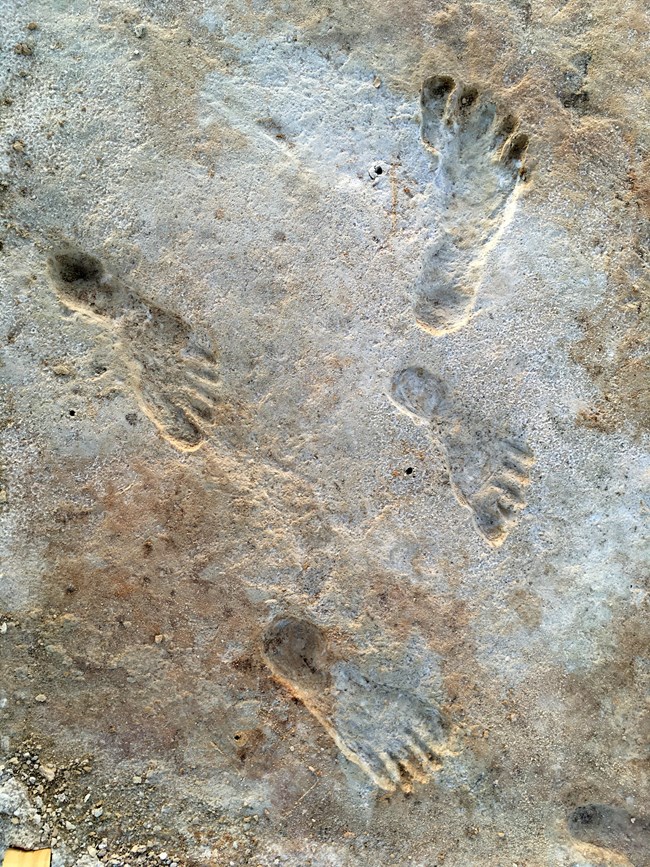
column 393, row 736
column 174, row 378
column 488, row 472
column 478, row 159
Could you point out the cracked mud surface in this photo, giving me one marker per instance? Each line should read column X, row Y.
column 324, row 422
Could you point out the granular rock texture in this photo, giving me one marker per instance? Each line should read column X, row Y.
column 323, row 491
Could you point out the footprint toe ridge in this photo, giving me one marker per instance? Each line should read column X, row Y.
column 207, row 373
column 503, row 130
column 197, row 404
column 423, row 752
column 509, row 492
column 374, row 766
column 490, row 525
column 412, row 768
column 496, row 506
column 176, row 424
column 464, row 102
column 513, row 154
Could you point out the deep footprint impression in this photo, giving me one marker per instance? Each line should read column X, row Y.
column 488, row 473
column 613, row 828
column 389, row 733
column 479, row 164
column 173, row 377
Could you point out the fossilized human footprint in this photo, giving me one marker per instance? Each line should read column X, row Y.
column 173, row 377
column 613, row 828
column 488, row 473
column 478, row 161
column 389, row 733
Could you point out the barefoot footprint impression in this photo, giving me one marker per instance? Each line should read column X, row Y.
column 612, row 828
column 479, row 163
column 173, row 377
column 488, row 474
column 388, row 733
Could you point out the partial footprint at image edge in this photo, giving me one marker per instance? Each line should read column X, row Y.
column 612, row 828
column 173, row 377
column 393, row 736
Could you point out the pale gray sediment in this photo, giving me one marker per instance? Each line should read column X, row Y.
column 329, row 315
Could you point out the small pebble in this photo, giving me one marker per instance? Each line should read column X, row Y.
column 40, row 698
column 48, row 771
column 62, row 370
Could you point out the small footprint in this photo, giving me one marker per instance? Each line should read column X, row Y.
column 388, row 733
column 613, row 828
column 173, row 377
column 488, row 473
column 479, row 164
